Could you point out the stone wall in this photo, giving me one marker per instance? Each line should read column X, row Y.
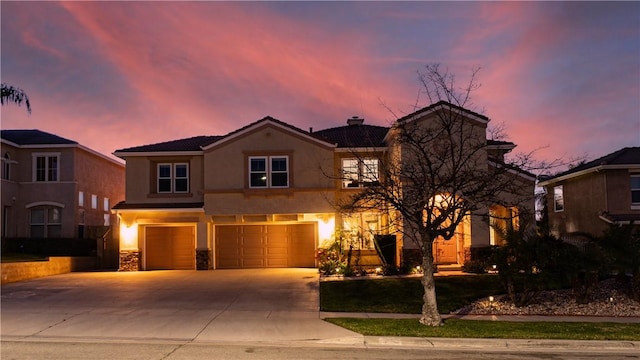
column 24, row 270
column 203, row 259
column 129, row 260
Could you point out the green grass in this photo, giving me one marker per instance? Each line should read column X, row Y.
column 456, row 328
column 404, row 295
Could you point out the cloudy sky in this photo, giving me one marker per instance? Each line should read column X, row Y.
column 562, row 77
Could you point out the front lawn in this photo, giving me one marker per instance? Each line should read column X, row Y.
column 456, row 328
column 404, row 295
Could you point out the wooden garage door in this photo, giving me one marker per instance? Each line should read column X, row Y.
column 170, row 248
column 259, row 246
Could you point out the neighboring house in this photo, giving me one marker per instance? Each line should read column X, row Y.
column 261, row 196
column 591, row 196
column 53, row 187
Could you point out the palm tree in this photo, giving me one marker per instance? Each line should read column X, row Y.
column 14, row 95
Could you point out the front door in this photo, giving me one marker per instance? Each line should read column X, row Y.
column 444, row 251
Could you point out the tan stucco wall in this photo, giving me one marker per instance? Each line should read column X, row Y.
column 141, row 179
column 80, row 170
column 586, row 197
column 226, row 165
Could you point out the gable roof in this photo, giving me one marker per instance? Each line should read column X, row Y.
column 266, row 121
column 354, row 136
column 446, row 106
column 624, row 158
column 34, row 137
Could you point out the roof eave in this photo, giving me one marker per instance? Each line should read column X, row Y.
column 588, row 171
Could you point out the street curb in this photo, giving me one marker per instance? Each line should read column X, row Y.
column 504, row 344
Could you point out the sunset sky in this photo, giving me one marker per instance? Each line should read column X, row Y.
column 560, row 76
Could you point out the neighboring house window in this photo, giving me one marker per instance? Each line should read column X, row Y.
column 173, row 178
column 268, row 172
column 107, row 220
column 46, row 167
column 80, row 198
column 46, row 222
column 94, row 201
column 635, row 189
column 105, row 204
column 6, row 167
column 558, row 198
column 359, row 172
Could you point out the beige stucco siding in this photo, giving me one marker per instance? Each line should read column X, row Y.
column 584, row 200
column 618, row 198
column 226, row 165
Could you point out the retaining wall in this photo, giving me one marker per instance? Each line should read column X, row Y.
column 18, row 271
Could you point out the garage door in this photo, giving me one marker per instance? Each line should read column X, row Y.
column 170, row 248
column 259, row 246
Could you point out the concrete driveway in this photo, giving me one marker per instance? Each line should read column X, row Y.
column 268, row 305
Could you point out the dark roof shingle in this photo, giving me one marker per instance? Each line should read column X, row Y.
column 34, row 137
column 354, row 135
column 624, row 156
column 189, row 144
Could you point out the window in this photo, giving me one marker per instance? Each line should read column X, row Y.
column 46, row 167
column 6, row 167
column 46, row 222
column 558, row 198
column 173, row 178
column 105, row 204
column 80, row 198
column 359, row 172
column 635, row 189
column 107, row 220
column 268, row 172
column 94, row 201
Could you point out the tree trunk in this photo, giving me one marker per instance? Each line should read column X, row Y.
column 430, row 315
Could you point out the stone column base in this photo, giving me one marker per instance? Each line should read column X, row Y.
column 129, row 260
column 203, row 259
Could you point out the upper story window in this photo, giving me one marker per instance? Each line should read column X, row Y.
column 46, row 167
column 6, row 166
column 359, row 172
column 635, row 190
column 558, row 198
column 173, row 178
column 268, row 172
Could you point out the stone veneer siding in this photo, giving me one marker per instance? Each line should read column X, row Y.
column 129, row 260
column 203, row 260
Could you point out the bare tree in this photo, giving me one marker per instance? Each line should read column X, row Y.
column 438, row 172
column 15, row 95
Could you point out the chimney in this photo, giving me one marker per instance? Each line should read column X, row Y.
column 310, row 130
column 355, row 121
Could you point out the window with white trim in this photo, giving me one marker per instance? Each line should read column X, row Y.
column 359, row 172
column 558, row 198
column 45, row 222
column 46, row 167
column 80, row 198
column 635, row 190
column 105, row 204
column 94, row 201
column 268, row 172
column 173, row 178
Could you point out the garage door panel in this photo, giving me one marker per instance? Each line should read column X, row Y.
column 170, row 247
column 254, row 246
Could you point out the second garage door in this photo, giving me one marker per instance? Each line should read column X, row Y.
column 170, row 248
column 259, row 246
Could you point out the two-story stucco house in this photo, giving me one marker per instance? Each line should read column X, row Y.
column 261, row 196
column 591, row 196
column 53, row 187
